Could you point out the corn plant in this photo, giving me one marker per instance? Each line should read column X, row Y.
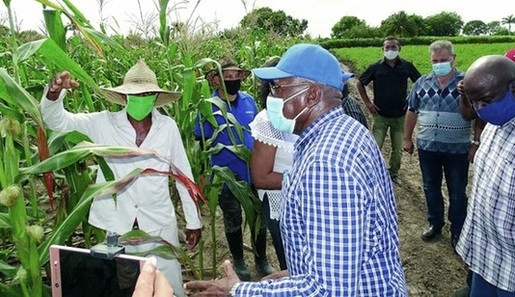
column 34, row 158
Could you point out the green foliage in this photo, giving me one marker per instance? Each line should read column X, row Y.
column 421, row 40
column 343, row 28
column 444, row 24
column 278, row 22
column 475, row 27
column 360, row 57
column 509, row 20
column 399, row 24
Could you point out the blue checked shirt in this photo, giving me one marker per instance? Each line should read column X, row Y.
column 441, row 128
column 487, row 241
column 338, row 218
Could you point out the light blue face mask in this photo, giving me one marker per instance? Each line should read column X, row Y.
column 500, row 111
column 274, row 110
column 442, row 69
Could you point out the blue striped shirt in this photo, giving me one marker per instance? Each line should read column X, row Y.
column 441, row 128
column 338, row 218
column 487, row 240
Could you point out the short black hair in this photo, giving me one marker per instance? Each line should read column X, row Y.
column 264, row 87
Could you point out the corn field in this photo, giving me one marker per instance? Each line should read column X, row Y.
column 47, row 178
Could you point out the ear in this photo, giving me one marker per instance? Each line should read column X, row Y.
column 314, row 95
column 217, row 80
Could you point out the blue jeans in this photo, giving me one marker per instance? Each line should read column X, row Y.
column 480, row 287
column 396, row 127
column 434, row 165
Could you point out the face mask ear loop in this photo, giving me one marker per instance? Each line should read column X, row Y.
column 295, row 95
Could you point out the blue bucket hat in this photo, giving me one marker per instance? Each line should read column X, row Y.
column 308, row 61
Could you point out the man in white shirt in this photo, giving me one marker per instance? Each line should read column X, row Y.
column 146, row 202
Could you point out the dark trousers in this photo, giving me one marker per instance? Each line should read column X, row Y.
column 233, row 221
column 480, row 288
column 275, row 232
column 434, row 165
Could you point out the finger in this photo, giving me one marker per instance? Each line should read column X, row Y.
column 145, row 281
column 229, row 270
column 74, row 84
column 198, row 285
column 162, row 287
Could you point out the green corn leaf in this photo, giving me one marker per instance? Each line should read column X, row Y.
column 5, row 222
column 62, row 232
column 7, row 269
column 80, row 152
column 23, row 98
column 242, row 191
column 10, row 291
column 53, row 54
column 55, row 27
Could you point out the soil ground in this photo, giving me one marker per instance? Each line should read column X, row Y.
column 431, row 269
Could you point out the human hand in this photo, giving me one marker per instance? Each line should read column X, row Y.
column 408, row 146
column 276, row 275
column 460, row 87
column 220, row 287
column 193, row 237
column 151, row 282
column 60, row 81
column 372, row 107
column 472, row 152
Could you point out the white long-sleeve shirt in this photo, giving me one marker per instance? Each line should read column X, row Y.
column 148, row 197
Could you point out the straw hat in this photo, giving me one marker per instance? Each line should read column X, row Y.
column 139, row 79
column 226, row 63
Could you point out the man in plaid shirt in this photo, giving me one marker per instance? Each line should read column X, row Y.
column 487, row 241
column 338, row 218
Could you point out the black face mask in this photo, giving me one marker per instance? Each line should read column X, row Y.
column 232, row 86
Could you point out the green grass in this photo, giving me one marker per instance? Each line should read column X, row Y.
column 358, row 58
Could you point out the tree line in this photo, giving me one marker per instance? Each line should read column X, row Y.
column 399, row 24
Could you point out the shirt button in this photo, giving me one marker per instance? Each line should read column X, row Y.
column 135, row 206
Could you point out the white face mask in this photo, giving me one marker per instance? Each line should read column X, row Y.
column 274, row 110
column 391, row 55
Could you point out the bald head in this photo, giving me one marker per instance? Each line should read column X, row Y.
column 488, row 78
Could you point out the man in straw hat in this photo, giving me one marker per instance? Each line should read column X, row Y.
column 146, row 202
column 243, row 108
column 338, row 215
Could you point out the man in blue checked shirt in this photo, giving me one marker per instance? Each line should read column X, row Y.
column 338, row 218
column 487, row 242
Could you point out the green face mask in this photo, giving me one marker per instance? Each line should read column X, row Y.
column 138, row 107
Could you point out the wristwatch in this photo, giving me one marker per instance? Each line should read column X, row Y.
column 476, row 142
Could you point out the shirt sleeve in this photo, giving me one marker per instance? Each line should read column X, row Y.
column 58, row 119
column 413, row 97
column 369, row 74
column 331, row 209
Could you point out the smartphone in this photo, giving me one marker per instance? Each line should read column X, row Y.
column 75, row 272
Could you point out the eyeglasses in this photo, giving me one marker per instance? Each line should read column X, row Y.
column 274, row 87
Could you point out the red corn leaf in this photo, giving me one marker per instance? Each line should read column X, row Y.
column 48, row 177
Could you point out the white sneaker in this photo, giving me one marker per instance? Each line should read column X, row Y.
column 397, row 180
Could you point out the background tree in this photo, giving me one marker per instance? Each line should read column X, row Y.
column 276, row 21
column 420, row 24
column 508, row 21
column 475, row 27
column 444, row 24
column 345, row 24
column 494, row 27
column 399, row 24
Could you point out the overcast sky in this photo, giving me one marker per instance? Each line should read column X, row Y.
column 320, row 14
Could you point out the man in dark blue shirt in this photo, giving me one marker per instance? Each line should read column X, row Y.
column 390, row 76
column 232, row 129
